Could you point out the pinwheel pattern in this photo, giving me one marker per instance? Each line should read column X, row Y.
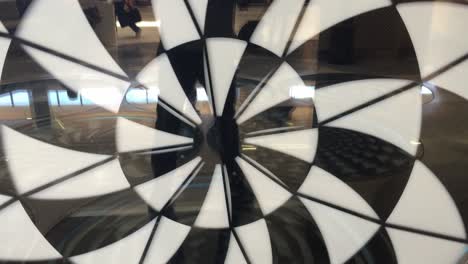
column 246, row 177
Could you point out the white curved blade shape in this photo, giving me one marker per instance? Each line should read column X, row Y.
column 125, row 251
column 4, row 199
column 177, row 26
column 20, row 239
column 344, row 234
column 234, row 254
column 425, row 204
column 436, row 46
column 322, row 14
column 214, row 212
column 275, row 28
column 159, row 77
column 278, row 89
column 158, row 191
column 335, row 99
column 413, row 248
column 224, row 56
column 105, row 179
column 255, row 239
column 132, row 136
column 300, row 144
column 396, row 120
column 435, row 29
column 199, row 10
column 39, row 27
column 33, row 163
column 454, row 79
column 269, row 194
column 4, row 46
column 168, row 238
column 322, row 185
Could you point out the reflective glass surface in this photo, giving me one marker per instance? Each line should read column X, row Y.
column 222, row 131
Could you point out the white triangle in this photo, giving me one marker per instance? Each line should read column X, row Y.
column 413, row 248
column 234, row 254
column 322, row 185
column 213, row 213
column 279, row 89
column 454, row 79
column 159, row 77
column 329, row 101
column 31, row 169
column 301, row 144
column 396, row 120
column 125, row 251
column 4, row 199
column 3, row 28
column 132, row 136
column 177, row 26
column 343, row 234
column 168, row 238
column 199, row 10
column 158, row 191
column 255, row 239
column 314, row 21
column 4, row 46
column 435, row 47
column 274, row 30
column 21, row 239
column 426, row 204
column 39, row 27
column 224, row 57
column 105, row 179
column 269, row 194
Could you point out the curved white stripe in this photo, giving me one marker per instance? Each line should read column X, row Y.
column 436, row 29
column 132, row 136
column 234, row 254
column 336, row 99
column 276, row 26
column 327, row 187
column 413, row 248
column 255, row 239
column 125, row 251
column 33, row 163
column 269, row 194
column 322, row 14
column 277, row 90
column 4, row 46
column 396, row 120
column 158, row 191
column 4, row 199
column 426, row 204
column 301, row 144
column 343, row 234
column 159, row 77
column 20, row 238
column 213, row 213
column 168, row 238
column 224, row 57
column 199, row 10
column 50, row 31
column 176, row 24
column 105, row 179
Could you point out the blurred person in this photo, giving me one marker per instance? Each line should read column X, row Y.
column 128, row 15
column 91, row 12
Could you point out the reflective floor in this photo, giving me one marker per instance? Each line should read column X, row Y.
column 219, row 131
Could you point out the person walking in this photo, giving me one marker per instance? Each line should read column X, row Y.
column 128, row 15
